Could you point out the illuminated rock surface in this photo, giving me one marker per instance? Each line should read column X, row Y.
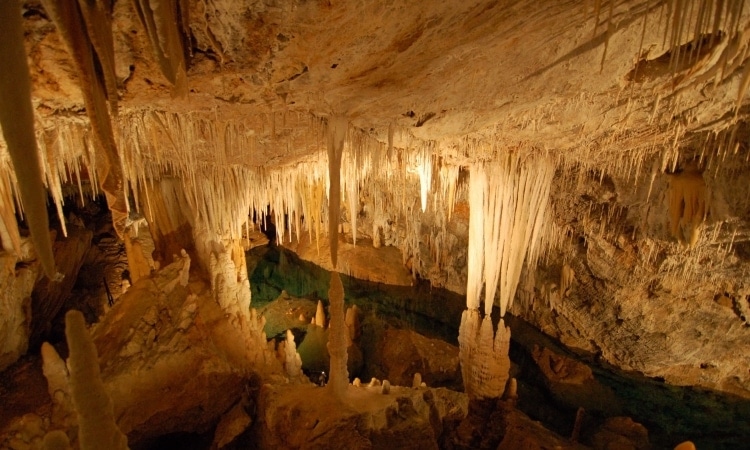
column 580, row 165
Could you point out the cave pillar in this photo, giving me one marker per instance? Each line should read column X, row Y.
column 508, row 201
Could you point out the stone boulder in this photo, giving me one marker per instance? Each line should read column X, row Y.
column 574, row 382
column 397, row 354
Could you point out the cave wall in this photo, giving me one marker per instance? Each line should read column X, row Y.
column 621, row 98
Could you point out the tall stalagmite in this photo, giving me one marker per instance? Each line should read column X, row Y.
column 96, row 422
column 338, row 340
column 338, row 337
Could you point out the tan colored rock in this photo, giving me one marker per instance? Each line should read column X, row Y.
column 284, row 314
column 16, row 285
column 399, row 354
column 561, row 369
column 175, row 339
column 524, row 433
column 573, row 381
column 621, row 433
column 231, row 425
column 307, row 416
column 48, row 297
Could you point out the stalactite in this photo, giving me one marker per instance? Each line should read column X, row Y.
column 424, row 169
column 97, row 15
column 67, row 17
column 17, row 121
column 337, row 128
column 688, row 205
column 164, row 21
column 508, row 208
column 508, row 200
column 475, row 264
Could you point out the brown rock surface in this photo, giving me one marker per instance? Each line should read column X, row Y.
column 308, row 417
column 622, row 96
column 621, row 433
column 574, row 382
column 396, row 355
column 48, row 297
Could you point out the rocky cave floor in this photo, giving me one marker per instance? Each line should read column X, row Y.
column 564, row 400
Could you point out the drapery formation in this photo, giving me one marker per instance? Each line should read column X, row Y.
column 508, row 204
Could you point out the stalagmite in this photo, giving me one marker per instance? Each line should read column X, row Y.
column 56, row 373
column 292, row 361
column 96, row 423
column 353, row 325
column 320, row 315
column 17, row 121
column 338, row 340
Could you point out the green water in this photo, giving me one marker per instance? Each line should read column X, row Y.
column 672, row 414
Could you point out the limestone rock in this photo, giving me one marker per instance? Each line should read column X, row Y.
column 308, row 417
column 231, row 425
column 397, row 355
column 621, row 433
column 284, row 314
column 146, row 346
column 48, row 297
column 573, row 381
column 16, row 285
column 524, row 433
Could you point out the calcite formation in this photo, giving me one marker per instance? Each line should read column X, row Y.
column 545, row 158
column 96, row 420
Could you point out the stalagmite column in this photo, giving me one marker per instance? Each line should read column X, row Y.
column 508, row 200
column 292, row 361
column 338, row 336
column 338, row 340
column 96, row 422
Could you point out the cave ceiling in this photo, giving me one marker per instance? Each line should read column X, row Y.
column 229, row 103
column 567, row 77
